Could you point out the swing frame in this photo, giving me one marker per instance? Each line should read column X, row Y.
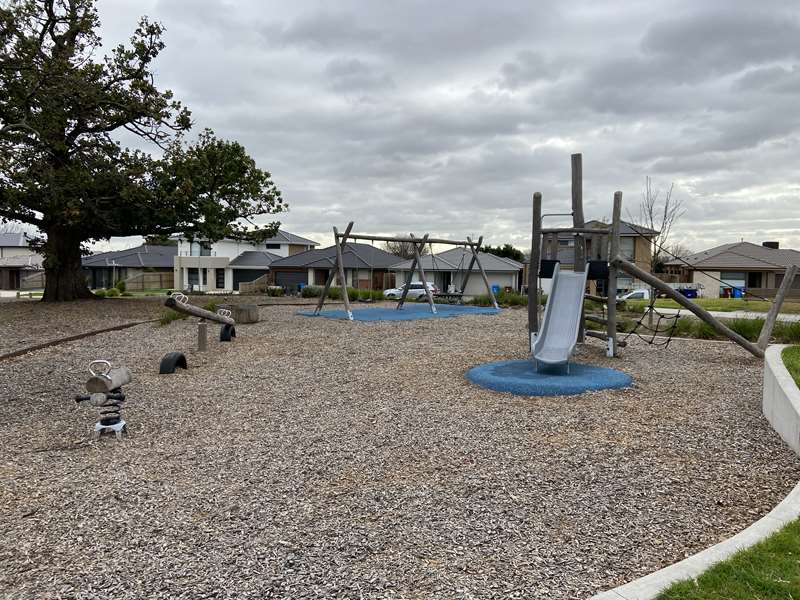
column 417, row 243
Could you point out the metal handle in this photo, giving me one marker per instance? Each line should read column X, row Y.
column 224, row 312
column 106, row 367
column 180, row 298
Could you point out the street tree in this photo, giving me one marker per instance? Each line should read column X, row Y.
column 62, row 167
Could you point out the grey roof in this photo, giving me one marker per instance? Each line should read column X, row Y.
column 144, row 256
column 625, row 229
column 254, row 259
column 282, row 237
column 13, row 240
column 458, row 259
column 740, row 255
column 27, row 261
column 354, row 256
column 290, row 238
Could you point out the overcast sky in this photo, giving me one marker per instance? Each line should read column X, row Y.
column 445, row 117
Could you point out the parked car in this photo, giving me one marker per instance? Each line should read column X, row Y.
column 416, row 290
column 635, row 295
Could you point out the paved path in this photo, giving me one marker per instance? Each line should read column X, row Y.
column 736, row 314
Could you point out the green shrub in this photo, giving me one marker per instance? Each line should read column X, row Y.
column 120, row 285
column 335, row 293
column 127, row 294
column 370, row 295
column 275, row 291
column 311, row 291
column 787, row 332
column 211, row 306
column 168, row 316
column 592, row 326
column 112, row 292
column 704, row 331
column 749, row 329
column 101, row 293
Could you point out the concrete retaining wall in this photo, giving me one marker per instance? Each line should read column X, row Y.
column 781, row 406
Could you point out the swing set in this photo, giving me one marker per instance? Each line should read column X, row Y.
column 417, row 244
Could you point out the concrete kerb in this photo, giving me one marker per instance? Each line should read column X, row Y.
column 781, row 406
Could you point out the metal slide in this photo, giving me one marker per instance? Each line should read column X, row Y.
column 558, row 334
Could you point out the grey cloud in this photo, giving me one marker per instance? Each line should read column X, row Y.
column 445, row 117
column 351, row 75
column 528, row 67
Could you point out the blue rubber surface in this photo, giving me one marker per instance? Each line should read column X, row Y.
column 521, row 378
column 409, row 312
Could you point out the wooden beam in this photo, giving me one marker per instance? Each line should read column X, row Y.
column 775, row 309
column 533, row 269
column 410, row 239
column 611, row 292
column 468, row 273
column 418, row 258
column 596, row 319
column 701, row 313
column 579, row 263
column 342, row 278
column 332, row 270
column 409, row 277
column 184, row 307
column 583, row 230
column 602, row 336
column 483, row 273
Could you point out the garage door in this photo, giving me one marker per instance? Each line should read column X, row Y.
column 245, row 275
column 291, row 279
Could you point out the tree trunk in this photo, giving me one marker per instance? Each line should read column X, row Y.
column 64, row 278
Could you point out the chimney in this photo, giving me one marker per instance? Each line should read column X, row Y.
column 773, row 245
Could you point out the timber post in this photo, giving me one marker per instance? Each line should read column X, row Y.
column 533, row 270
column 578, row 223
column 775, row 309
column 332, row 271
column 702, row 313
column 342, row 278
column 475, row 250
column 611, row 292
column 418, row 259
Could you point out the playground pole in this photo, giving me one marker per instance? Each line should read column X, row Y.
column 533, row 269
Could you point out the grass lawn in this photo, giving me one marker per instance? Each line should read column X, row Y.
column 769, row 570
column 720, row 304
column 791, row 358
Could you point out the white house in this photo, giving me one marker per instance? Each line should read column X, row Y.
column 447, row 270
column 221, row 266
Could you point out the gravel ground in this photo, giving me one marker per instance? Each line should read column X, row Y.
column 25, row 323
column 315, row 458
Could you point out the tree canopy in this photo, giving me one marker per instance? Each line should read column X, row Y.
column 62, row 170
column 507, row 251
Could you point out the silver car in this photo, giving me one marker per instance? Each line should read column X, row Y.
column 416, row 290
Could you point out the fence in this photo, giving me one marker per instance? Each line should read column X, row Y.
column 159, row 280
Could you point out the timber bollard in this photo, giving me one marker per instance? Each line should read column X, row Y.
column 105, row 393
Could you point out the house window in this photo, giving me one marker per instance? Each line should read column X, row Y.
column 194, row 277
column 627, row 247
column 220, row 277
column 273, row 246
column 200, row 249
column 566, row 243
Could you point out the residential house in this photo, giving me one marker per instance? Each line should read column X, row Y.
column 365, row 266
column 741, row 266
column 447, row 271
column 143, row 267
column 222, row 266
column 20, row 266
column 636, row 245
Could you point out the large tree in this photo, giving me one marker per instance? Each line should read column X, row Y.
column 507, row 251
column 658, row 211
column 63, row 171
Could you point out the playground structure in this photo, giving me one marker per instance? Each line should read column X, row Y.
column 105, row 393
column 553, row 341
column 417, row 244
column 180, row 303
